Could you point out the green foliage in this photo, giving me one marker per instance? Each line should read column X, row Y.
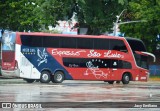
column 18, row 15
column 148, row 10
column 51, row 31
column 98, row 15
column 47, row 11
column 50, row 11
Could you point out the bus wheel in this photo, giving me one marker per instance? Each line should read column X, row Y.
column 45, row 77
column 58, row 77
column 125, row 78
column 110, row 82
column 29, row 80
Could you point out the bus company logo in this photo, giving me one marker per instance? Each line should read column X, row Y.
column 95, row 70
column 91, row 53
column 42, row 56
column 29, row 51
column 110, row 54
column 67, row 52
column 94, row 54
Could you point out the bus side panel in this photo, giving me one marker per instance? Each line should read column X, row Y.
column 27, row 70
column 17, row 58
column 82, row 67
column 25, row 67
column 88, row 73
column 42, row 60
column 138, row 75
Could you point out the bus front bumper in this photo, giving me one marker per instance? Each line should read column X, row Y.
column 14, row 73
column 144, row 78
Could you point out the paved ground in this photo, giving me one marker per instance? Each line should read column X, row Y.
column 96, row 95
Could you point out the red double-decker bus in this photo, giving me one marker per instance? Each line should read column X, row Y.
column 56, row 57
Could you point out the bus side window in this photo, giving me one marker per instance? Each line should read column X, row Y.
column 33, row 41
column 120, row 64
column 101, row 44
column 124, row 64
column 84, row 43
column 26, row 40
column 49, row 41
column 118, row 45
column 36, row 41
column 67, row 42
column 114, row 64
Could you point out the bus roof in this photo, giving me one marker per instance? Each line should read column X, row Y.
column 68, row 35
column 134, row 39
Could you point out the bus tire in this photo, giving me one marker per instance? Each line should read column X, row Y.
column 45, row 77
column 125, row 78
column 110, row 82
column 29, row 80
column 58, row 77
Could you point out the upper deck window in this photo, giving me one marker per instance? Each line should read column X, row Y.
column 66, row 42
column 102, row 44
column 118, row 45
column 84, row 43
column 74, row 42
column 51, row 42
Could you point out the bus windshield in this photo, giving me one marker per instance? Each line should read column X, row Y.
column 8, row 41
column 138, row 46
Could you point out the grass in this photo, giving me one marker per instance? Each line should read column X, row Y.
column 154, row 78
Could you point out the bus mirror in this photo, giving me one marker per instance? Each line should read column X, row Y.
column 150, row 54
column 147, row 54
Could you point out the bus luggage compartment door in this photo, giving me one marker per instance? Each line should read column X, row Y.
column 25, row 68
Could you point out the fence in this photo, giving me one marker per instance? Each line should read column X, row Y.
column 154, row 70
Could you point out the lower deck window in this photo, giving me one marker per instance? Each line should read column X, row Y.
column 96, row 63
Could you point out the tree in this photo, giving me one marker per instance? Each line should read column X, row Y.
column 147, row 31
column 48, row 11
column 99, row 15
column 18, row 15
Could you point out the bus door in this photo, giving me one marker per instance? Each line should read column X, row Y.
column 114, row 75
